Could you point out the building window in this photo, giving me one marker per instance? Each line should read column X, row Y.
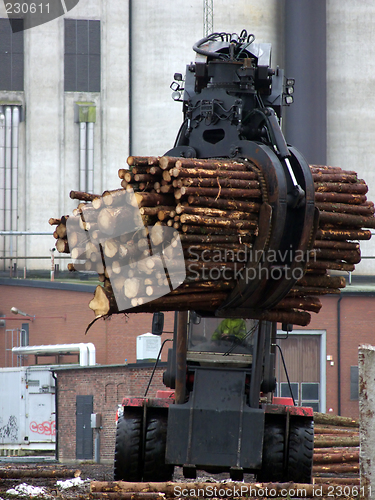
column 354, row 383
column 82, row 56
column 11, row 54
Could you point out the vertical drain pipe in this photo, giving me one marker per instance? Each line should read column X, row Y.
column 14, row 171
column 8, row 178
column 82, row 156
column 8, row 168
column 15, row 133
column 2, row 179
column 90, row 157
column 339, row 355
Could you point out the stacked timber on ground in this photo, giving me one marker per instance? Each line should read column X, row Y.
column 336, row 448
column 206, row 213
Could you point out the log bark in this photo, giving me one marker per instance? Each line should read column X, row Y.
column 208, row 489
column 330, row 264
column 184, row 302
column 214, row 238
column 312, row 304
column 202, row 220
column 202, row 230
column 300, row 291
column 355, row 199
column 336, row 420
column 330, row 429
column 346, row 208
column 211, row 164
column 293, row 316
column 38, row 473
column 218, row 192
column 142, row 160
column 156, row 210
column 82, row 196
column 328, row 441
column 331, row 458
column 153, row 199
column 144, row 178
column 215, row 212
column 206, row 201
column 328, row 169
column 351, row 481
column 339, row 245
column 343, row 234
column 336, row 451
column 323, row 281
column 344, row 468
column 127, row 495
column 350, row 256
column 327, row 177
column 347, row 220
column 200, row 175
column 218, row 182
column 338, row 187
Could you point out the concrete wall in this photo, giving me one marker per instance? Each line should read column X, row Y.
column 162, row 38
column 49, row 155
column 350, row 82
column 134, row 102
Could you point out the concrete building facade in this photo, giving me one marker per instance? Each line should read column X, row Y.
column 67, row 132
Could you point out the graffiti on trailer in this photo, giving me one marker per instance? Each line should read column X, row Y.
column 46, row 428
column 9, row 430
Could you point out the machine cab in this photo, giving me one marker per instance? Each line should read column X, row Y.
column 220, row 341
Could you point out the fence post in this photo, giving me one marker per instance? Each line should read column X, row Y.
column 366, row 367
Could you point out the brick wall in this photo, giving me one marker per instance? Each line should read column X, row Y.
column 62, row 317
column 108, row 385
column 357, row 316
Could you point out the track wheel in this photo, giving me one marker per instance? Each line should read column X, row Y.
column 301, row 449
column 155, row 468
column 273, row 452
column 127, row 465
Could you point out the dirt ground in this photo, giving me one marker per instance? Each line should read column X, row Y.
column 64, row 488
column 49, row 488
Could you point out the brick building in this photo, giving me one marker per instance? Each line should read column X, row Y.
column 322, row 358
column 82, row 391
column 61, row 317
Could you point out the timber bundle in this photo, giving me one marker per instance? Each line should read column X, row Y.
column 177, row 232
column 336, row 448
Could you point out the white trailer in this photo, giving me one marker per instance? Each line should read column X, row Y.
column 27, row 399
column 27, row 409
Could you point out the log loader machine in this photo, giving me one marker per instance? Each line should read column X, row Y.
column 220, row 414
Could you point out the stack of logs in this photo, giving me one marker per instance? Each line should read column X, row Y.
column 336, row 448
column 206, row 211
